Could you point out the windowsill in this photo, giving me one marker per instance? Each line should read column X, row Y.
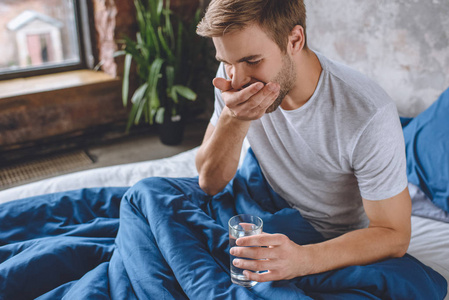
column 57, row 109
column 45, row 83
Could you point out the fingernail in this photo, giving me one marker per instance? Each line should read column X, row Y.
column 232, row 251
column 258, row 86
column 273, row 87
column 236, row 262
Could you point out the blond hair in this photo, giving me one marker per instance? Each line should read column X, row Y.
column 276, row 17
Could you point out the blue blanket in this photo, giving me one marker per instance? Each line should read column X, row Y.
column 166, row 239
column 427, row 147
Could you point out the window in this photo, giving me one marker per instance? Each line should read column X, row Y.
column 43, row 36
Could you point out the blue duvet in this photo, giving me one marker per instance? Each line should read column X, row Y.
column 166, row 239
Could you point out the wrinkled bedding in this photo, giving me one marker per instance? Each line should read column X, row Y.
column 427, row 150
column 165, row 239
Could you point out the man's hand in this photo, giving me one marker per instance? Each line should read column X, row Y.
column 249, row 103
column 387, row 236
column 218, row 157
column 274, row 253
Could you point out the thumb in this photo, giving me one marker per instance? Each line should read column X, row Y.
column 222, row 84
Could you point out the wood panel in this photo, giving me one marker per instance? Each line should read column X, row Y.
column 35, row 116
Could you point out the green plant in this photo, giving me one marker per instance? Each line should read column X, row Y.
column 166, row 52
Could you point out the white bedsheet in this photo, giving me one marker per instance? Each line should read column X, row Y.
column 429, row 243
column 181, row 165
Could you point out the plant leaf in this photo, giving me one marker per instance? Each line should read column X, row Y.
column 154, row 105
column 140, row 107
column 142, row 47
column 160, row 51
column 131, row 117
column 170, row 72
column 140, row 10
column 139, row 93
column 173, row 95
column 160, row 115
column 160, row 6
column 185, row 92
column 131, row 47
column 125, row 85
column 153, row 78
column 168, row 24
column 164, row 45
column 153, row 9
column 153, row 40
column 146, row 113
column 119, row 53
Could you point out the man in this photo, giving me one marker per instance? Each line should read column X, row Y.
column 328, row 140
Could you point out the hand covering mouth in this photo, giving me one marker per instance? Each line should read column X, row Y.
column 248, row 84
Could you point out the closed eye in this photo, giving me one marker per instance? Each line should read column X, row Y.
column 253, row 63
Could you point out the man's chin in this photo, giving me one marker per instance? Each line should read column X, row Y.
column 274, row 106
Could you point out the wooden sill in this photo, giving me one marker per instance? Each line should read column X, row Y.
column 45, row 83
column 42, row 110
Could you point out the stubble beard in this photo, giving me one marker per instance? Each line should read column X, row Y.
column 286, row 79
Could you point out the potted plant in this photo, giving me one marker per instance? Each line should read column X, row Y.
column 166, row 53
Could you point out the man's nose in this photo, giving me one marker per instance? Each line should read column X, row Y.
column 239, row 78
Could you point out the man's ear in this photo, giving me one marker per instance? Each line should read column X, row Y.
column 296, row 39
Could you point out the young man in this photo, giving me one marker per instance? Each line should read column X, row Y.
column 328, row 140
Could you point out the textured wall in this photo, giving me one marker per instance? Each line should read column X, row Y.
column 401, row 44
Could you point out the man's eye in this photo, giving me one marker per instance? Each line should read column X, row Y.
column 253, row 63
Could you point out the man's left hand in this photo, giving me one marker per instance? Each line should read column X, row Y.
column 274, row 253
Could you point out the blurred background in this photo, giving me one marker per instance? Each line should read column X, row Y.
column 63, row 64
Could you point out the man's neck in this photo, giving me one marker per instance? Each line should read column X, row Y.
column 308, row 71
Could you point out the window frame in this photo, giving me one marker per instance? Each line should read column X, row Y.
column 85, row 27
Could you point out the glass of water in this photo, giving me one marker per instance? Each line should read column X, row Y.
column 239, row 226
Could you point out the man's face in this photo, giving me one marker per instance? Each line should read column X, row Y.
column 250, row 56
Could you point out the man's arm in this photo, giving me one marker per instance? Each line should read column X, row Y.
column 387, row 236
column 218, row 156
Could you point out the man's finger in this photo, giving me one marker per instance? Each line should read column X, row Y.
column 222, row 84
column 267, row 96
column 261, row 277
column 254, row 265
column 242, row 96
column 250, row 90
column 253, row 252
column 237, row 98
column 262, row 240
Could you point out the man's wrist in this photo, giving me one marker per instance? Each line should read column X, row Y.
column 310, row 261
column 232, row 117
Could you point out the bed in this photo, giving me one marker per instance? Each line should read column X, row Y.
column 427, row 142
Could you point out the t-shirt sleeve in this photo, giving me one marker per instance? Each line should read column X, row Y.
column 379, row 156
column 219, row 103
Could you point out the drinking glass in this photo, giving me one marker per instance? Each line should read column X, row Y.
column 239, row 226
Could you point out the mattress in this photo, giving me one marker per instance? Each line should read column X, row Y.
column 429, row 243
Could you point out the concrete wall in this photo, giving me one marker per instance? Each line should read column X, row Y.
column 401, row 44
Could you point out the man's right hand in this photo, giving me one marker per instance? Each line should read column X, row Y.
column 218, row 157
column 249, row 103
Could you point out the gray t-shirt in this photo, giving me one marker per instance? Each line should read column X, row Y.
column 345, row 143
